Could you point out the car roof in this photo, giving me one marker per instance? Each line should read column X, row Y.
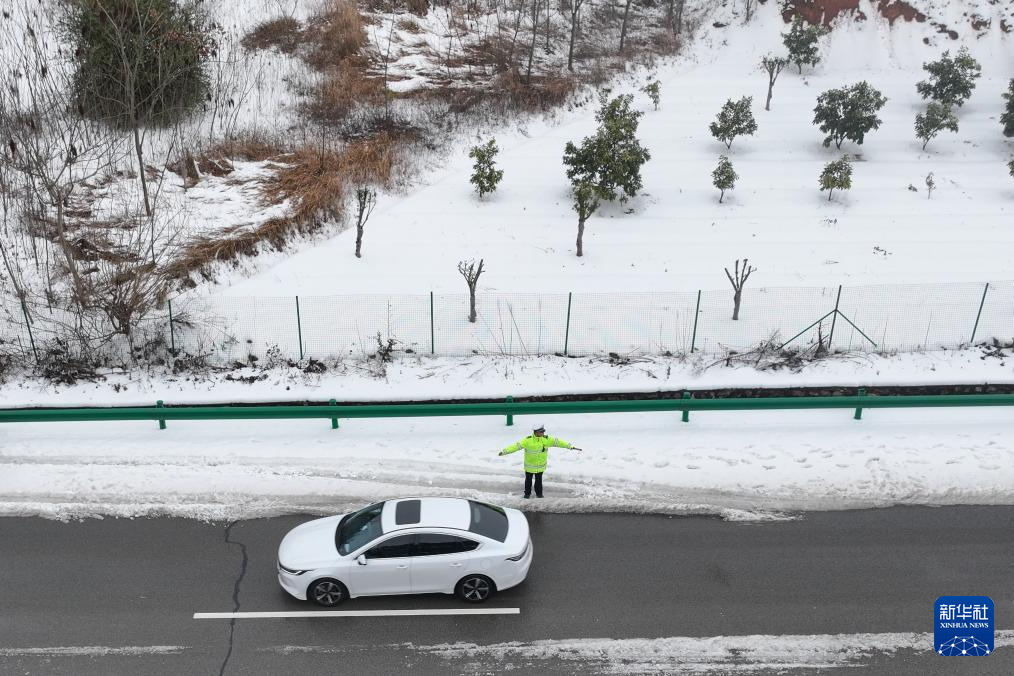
column 432, row 513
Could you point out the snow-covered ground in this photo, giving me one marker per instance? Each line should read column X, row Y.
column 759, row 465
column 676, row 236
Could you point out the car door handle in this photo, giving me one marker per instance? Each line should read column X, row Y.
column 403, row 566
column 455, row 565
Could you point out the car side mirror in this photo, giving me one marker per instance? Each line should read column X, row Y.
column 361, row 559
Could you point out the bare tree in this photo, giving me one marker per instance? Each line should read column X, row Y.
column 623, row 26
column 49, row 150
column 575, row 10
column 366, row 200
column 749, row 6
column 586, row 201
column 674, row 15
column 470, row 271
column 738, row 279
column 773, row 65
column 536, row 6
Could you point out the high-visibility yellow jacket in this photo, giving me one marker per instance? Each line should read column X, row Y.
column 536, row 451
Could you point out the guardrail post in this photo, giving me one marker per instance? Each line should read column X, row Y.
column 686, row 412
column 299, row 329
column 979, row 314
column 172, row 331
column 334, row 421
column 859, row 409
column 510, row 416
column 161, row 422
column 566, row 334
column 28, row 323
column 433, row 335
column 697, row 313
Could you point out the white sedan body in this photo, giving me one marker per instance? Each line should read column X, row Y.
column 424, row 545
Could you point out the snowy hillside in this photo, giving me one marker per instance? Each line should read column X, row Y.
column 676, row 235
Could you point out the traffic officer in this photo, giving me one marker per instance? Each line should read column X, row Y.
column 536, row 449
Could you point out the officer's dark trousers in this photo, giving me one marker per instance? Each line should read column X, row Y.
column 528, row 484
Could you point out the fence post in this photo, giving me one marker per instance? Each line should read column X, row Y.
column 161, row 422
column 859, row 409
column 172, row 331
column 28, row 323
column 299, row 329
column 830, row 338
column 510, row 416
column 697, row 312
column 566, row 334
column 686, row 412
column 981, row 303
column 334, row 421
column 433, row 336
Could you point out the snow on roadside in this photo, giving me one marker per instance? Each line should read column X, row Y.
column 746, row 465
column 716, row 654
column 414, row 377
column 740, row 466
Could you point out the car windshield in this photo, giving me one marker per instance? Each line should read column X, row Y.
column 488, row 520
column 358, row 529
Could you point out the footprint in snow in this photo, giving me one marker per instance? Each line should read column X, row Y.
column 692, row 467
column 661, row 463
column 768, row 466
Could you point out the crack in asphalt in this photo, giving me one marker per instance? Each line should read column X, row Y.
column 235, row 595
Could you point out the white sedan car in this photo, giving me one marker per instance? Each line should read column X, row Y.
column 407, row 546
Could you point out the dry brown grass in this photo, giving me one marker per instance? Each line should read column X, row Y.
column 343, row 88
column 408, row 25
column 314, row 183
column 336, row 32
column 251, row 146
column 283, row 33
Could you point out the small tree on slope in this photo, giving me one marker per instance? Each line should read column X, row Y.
column 724, row 176
column 485, row 176
column 937, row 118
column 951, row 81
column 836, row 175
column 772, row 65
column 654, row 91
column 848, row 113
column 735, row 119
column 801, row 41
column 611, row 160
column 1007, row 118
column 586, row 201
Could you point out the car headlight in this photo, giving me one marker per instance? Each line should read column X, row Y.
column 290, row 571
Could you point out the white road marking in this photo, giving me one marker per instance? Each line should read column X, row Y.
column 357, row 613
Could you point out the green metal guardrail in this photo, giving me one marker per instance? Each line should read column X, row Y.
column 508, row 408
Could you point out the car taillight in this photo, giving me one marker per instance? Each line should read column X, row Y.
column 523, row 552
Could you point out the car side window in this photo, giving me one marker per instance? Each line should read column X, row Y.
column 395, row 548
column 435, row 544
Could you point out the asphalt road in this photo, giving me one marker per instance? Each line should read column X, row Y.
column 118, row 596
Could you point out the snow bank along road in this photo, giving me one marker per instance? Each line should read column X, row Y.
column 831, row 592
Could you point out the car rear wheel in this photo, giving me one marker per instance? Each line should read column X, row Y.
column 327, row 592
column 475, row 588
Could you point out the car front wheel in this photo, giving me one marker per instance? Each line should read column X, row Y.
column 327, row 593
column 475, row 588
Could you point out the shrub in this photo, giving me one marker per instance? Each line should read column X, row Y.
column 735, row 119
column 951, row 81
column 848, row 113
column 139, row 60
column 836, row 175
